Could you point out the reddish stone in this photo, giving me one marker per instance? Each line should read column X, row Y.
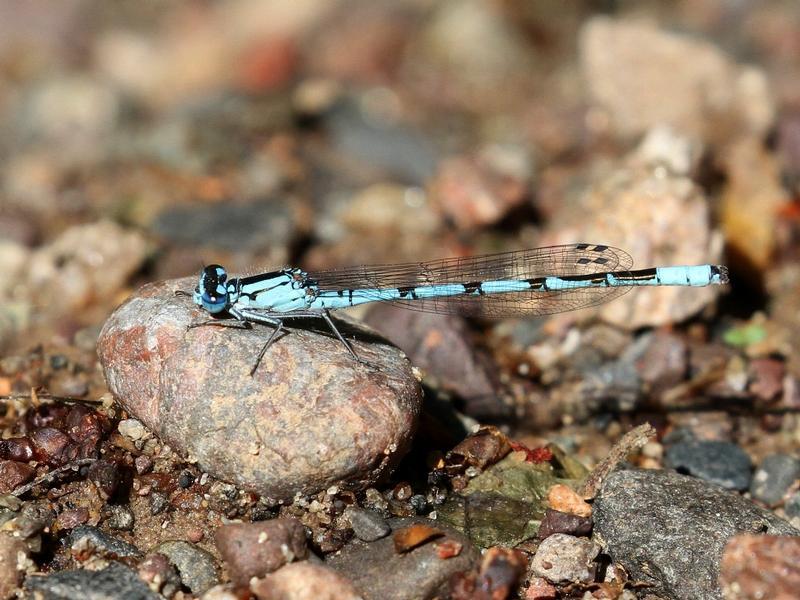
column 255, row 549
column 305, row 581
column 13, row 474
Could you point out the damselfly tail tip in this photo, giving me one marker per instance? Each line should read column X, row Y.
column 720, row 273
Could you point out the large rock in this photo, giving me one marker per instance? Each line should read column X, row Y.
column 309, row 417
column 670, row 530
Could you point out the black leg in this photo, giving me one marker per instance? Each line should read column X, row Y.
column 273, row 336
column 229, row 324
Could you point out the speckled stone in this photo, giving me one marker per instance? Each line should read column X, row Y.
column 310, row 417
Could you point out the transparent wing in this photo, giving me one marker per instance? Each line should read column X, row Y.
column 573, row 259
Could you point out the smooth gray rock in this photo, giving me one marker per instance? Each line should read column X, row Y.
column 723, row 463
column 669, row 530
column 380, row 572
column 102, row 542
column 197, row 568
column 773, row 477
column 115, row 581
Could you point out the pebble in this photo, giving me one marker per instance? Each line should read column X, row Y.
column 792, row 506
column 562, row 558
column 197, row 568
column 761, row 566
column 255, row 549
column 159, row 574
column 440, row 346
column 661, row 218
column 115, row 581
column 87, row 537
column 69, row 519
column 310, row 417
column 641, row 76
column 14, row 474
column 231, row 226
column 467, row 74
column 304, row 581
column 540, row 589
column 379, row 572
column 53, row 446
column 773, row 477
column 158, row 503
column 11, row 568
column 664, row 363
column 374, row 140
column 223, row 591
column 499, row 575
column 475, row 193
column 695, row 520
column 723, row 463
column 766, row 378
column 132, row 429
column 119, row 516
column 564, row 499
column 367, row 525
column 559, row 522
column 85, row 264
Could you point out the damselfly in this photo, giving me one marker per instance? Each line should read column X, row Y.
column 527, row 282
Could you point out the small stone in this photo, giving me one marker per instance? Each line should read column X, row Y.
column 304, row 405
column 642, row 76
column 11, row 567
column 86, row 538
column 223, row 591
column 185, row 479
column 17, row 449
column 766, row 378
column 197, row 568
column 106, row 476
column 563, row 558
column 378, row 572
column 143, row 464
column 501, row 571
column 159, row 574
column 559, row 522
column 255, row 549
column 229, row 225
column 773, row 477
column 367, row 525
column 69, row 519
column 119, row 516
column 14, row 474
column 723, row 463
column 792, row 506
column 54, row 446
column 664, row 363
column 33, row 519
column 68, row 385
column 158, row 503
column 474, row 193
column 439, row 345
column 115, row 581
column 485, row 447
column 760, row 566
column 85, row 264
column 133, row 429
column 540, row 589
column 304, row 581
column 566, row 500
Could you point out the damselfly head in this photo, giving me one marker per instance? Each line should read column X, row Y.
column 211, row 292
